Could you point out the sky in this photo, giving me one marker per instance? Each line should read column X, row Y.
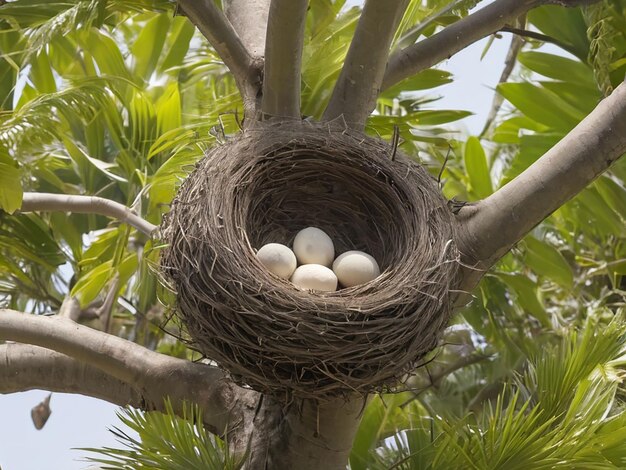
column 78, row 421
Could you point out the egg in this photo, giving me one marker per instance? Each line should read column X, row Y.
column 355, row 267
column 314, row 246
column 278, row 259
column 314, row 277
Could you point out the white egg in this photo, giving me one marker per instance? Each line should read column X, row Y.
column 355, row 267
column 314, row 277
column 313, row 246
column 278, row 259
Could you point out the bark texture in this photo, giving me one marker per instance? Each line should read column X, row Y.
column 45, row 202
column 150, row 376
column 283, row 58
column 358, row 86
column 492, row 226
column 249, row 18
column 303, row 435
column 456, row 37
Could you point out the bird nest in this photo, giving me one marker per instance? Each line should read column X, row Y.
column 264, row 186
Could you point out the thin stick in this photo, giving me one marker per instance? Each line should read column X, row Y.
column 47, row 202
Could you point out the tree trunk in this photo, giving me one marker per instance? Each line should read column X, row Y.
column 303, row 435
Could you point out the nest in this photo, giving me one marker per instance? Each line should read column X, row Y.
column 264, row 186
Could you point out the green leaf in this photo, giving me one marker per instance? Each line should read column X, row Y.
column 93, row 282
column 438, row 116
column 168, row 109
column 527, row 297
column 149, row 45
column 429, row 78
column 541, row 105
column 10, row 188
column 613, row 194
column 166, row 441
column 547, row 261
column 382, row 417
column 179, row 37
column 105, row 52
column 605, row 219
column 558, row 67
column 477, row 168
column 143, row 123
column 41, row 74
column 583, row 98
column 532, row 146
column 566, row 25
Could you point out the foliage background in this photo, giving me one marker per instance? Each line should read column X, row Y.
column 111, row 124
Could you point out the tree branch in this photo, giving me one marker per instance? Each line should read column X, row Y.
column 491, row 227
column 360, row 80
column 153, row 376
column 239, row 59
column 86, row 205
column 27, row 367
column 249, row 18
column 283, row 58
column 454, row 38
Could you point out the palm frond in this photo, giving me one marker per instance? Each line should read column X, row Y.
column 165, row 442
column 43, row 21
column 560, row 413
column 47, row 117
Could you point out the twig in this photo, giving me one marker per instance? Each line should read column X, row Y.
column 538, row 36
column 517, row 43
column 46, row 202
column 435, row 380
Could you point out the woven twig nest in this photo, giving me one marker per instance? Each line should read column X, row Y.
column 264, row 186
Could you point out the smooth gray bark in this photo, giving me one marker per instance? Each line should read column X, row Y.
column 358, row 85
column 152, row 375
column 283, row 58
column 249, row 18
column 27, row 367
column 46, row 202
column 456, row 37
column 489, row 228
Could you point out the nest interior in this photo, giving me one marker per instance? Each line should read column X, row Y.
column 264, row 186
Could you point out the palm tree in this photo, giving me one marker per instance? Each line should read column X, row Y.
column 107, row 106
